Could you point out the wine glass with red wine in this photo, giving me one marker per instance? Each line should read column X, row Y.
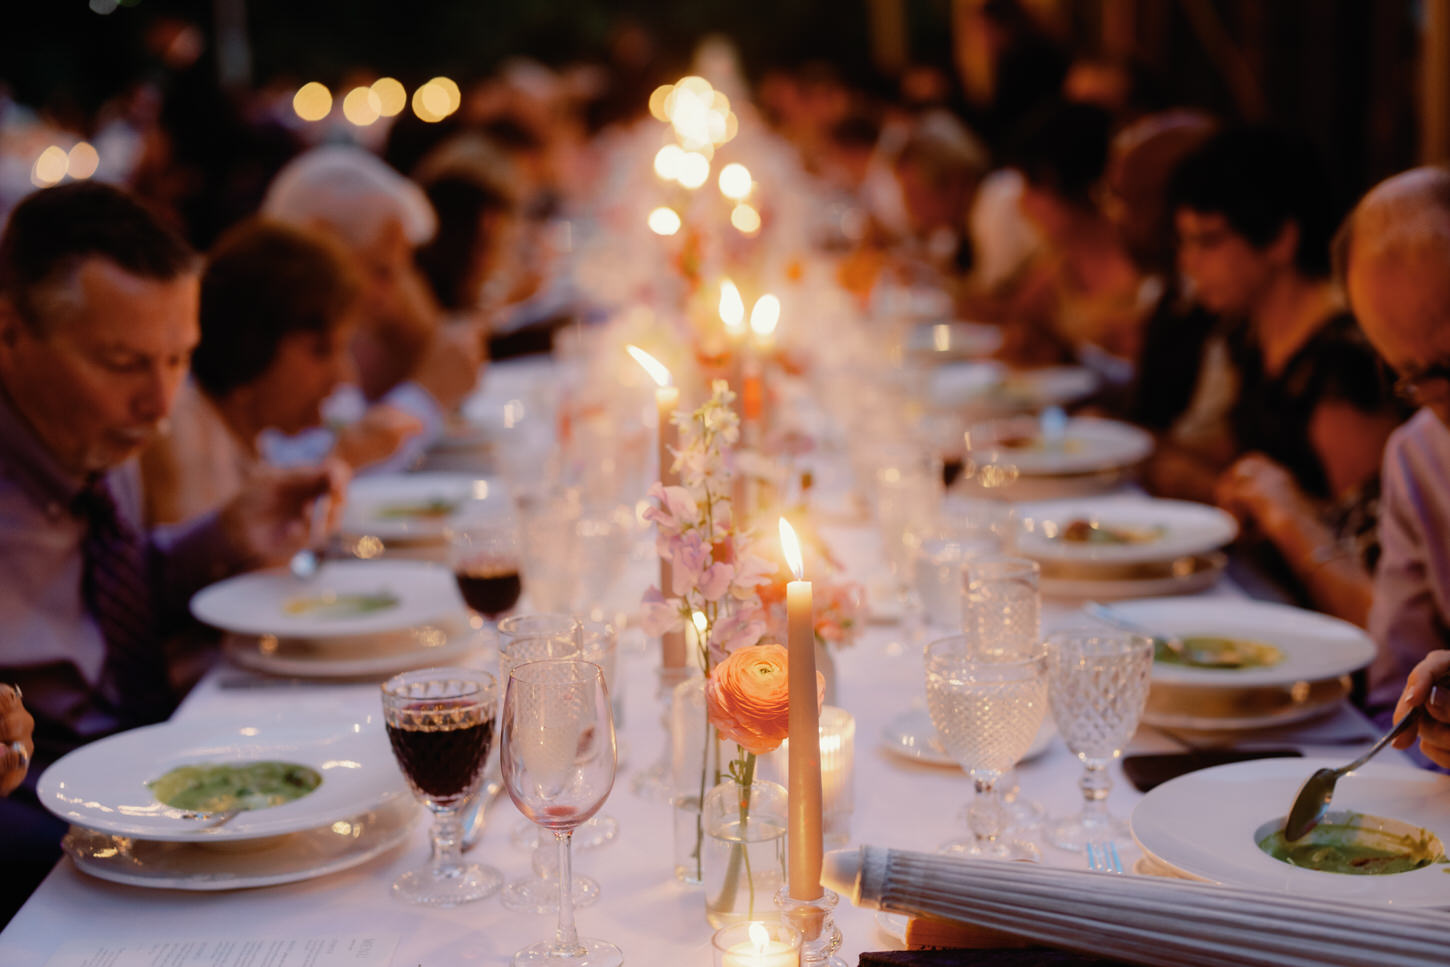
column 440, row 722
column 558, row 755
column 484, row 553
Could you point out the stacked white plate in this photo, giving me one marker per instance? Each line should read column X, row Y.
column 1029, row 461
column 986, row 388
column 1311, row 678
column 1206, row 826
column 120, row 832
column 408, row 514
column 352, row 619
column 945, row 341
column 1135, row 546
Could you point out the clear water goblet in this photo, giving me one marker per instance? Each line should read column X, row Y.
column 558, row 757
column 987, row 705
column 1098, row 686
column 440, row 723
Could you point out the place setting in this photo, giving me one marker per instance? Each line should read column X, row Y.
column 1052, row 455
column 1115, row 547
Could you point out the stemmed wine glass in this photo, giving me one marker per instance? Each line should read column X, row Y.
column 557, row 751
column 440, row 723
column 1098, row 683
column 484, row 554
column 987, row 704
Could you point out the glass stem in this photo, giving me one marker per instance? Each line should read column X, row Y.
column 447, row 837
column 1095, row 783
column 566, row 937
column 985, row 814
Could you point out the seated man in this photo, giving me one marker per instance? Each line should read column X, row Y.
column 405, row 356
column 98, row 304
column 1394, row 253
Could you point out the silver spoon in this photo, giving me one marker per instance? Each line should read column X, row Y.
column 1314, row 795
column 305, row 564
column 1104, row 613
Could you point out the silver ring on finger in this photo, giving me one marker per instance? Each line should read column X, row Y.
column 21, row 756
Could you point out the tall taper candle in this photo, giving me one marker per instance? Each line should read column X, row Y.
column 804, row 836
column 667, row 400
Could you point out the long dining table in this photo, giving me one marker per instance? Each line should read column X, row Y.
column 74, row 919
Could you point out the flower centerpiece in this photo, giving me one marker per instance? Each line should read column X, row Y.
column 747, row 698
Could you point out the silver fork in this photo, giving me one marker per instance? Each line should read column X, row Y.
column 1103, row 858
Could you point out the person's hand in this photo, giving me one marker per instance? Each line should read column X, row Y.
column 272, row 518
column 17, row 744
column 449, row 365
column 1258, row 490
column 376, row 436
column 1426, row 686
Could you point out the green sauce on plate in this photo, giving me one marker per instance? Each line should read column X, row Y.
column 1352, row 844
column 223, row 788
column 1212, row 651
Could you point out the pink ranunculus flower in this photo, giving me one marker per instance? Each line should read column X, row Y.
column 674, row 510
column 748, row 697
column 659, row 616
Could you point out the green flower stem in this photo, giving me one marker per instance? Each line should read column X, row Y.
column 742, row 772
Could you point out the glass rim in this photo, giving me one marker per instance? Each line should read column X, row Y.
column 478, row 682
column 513, row 625
column 1132, row 639
column 1005, row 566
column 1002, row 658
column 539, row 665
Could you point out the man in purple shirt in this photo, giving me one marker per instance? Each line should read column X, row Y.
column 1395, row 260
column 98, row 318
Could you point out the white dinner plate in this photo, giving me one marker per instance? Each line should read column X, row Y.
column 988, row 386
column 1167, row 529
column 265, row 602
column 912, row 736
column 1203, row 825
column 194, row 866
column 954, row 340
column 1087, row 445
column 305, row 658
column 1315, row 646
column 416, row 506
column 1186, row 575
column 102, row 786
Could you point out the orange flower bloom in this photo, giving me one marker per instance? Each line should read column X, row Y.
column 748, row 697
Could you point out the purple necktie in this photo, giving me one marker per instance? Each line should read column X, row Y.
column 117, row 591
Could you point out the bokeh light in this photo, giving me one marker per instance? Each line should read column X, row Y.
column 392, row 96
column 82, row 161
column 745, row 218
column 450, row 90
column 667, row 161
column 313, row 101
column 694, row 169
column 50, row 167
column 657, row 101
column 362, row 106
column 664, row 221
column 735, row 181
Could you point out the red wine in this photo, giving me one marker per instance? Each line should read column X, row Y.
column 442, row 747
column 490, row 591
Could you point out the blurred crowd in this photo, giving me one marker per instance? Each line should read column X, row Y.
column 355, row 281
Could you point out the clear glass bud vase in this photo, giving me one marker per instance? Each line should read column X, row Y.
column 744, row 850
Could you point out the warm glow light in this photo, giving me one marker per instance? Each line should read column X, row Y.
column 428, row 102
column 694, row 169
column 667, row 161
column 312, row 102
column 765, row 315
column 450, row 90
column 732, row 126
column 362, row 106
column 792, row 550
column 698, row 86
column 392, row 96
column 715, row 126
column 745, row 218
column 82, row 161
column 700, row 621
column 732, row 307
column 657, row 102
column 654, row 367
column 735, row 181
column 689, row 115
column 664, row 221
column 759, row 938
column 49, row 167
column 719, row 102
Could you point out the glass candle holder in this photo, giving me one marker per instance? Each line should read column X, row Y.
column 757, row 943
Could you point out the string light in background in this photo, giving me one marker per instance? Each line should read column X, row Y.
column 313, row 101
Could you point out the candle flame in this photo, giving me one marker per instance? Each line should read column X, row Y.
column 759, row 937
column 765, row 315
column 664, row 221
column 698, row 617
column 654, row 367
column 792, row 549
column 732, row 307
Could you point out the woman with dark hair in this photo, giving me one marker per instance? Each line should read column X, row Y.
column 1312, row 414
column 278, row 307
